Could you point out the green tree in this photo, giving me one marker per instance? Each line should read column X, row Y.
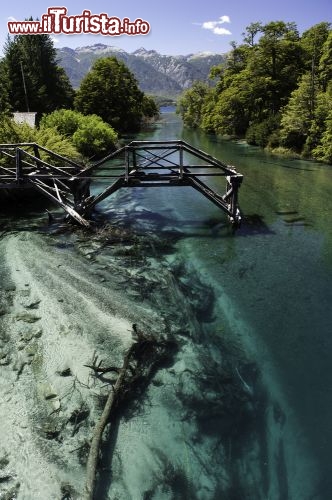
column 325, row 62
column 312, row 41
column 4, row 85
column 264, row 133
column 323, row 150
column 36, row 82
column 305, row 118
column 66, row 121
column 273, row 90
column 149, row 107
column 191, row 102
column 298, row 115
column 277, row 56
column 236, row 60
column 255, row 83
column 111, row 91
column 94, row 137
column 251, row 31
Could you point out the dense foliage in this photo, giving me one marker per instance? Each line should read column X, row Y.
column 49, row 137
column 111, row 91
column 90, row 135
column 65, row 132
column 275, row 89
column 30, row 64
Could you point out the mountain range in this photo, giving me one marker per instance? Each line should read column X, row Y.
column 157, row 74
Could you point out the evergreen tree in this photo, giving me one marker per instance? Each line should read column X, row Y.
column 4, row 85
column 36, row 82
column 111, row 91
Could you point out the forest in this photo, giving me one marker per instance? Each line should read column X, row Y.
column 275, row 90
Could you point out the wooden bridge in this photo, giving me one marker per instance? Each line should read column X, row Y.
column 138, row 164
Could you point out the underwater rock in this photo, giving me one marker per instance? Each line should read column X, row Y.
column 65, row 372
column 5, row 358
column 68, row 492
column 4, row 461
column 26, row 317
column 50, row 430
column 12, row 493
column 3, row 310
column 47, row 391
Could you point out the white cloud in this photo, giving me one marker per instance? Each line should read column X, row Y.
column 11, row 18
column 55, row 40
column 221, row 31
column 224, row 19
column 215, row 27
column 209, row 25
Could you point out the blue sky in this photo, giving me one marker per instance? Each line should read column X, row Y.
column 177, row 26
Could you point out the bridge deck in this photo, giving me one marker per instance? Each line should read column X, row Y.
column 138, row 164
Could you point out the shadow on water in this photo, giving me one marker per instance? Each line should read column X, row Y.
column 23, row 211
column 254, row 224
column 284, row 165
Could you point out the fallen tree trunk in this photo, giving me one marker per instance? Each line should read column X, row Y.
column 99, row 429
column 140, row 362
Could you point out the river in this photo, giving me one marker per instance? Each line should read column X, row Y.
column 243, row 411
column 275, row 273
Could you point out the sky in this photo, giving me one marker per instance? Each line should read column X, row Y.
column 176, row 26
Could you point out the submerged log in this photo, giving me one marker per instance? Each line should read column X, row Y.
column 141, row 361
column 99, row 429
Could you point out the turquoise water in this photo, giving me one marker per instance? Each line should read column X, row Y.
column 273, row 277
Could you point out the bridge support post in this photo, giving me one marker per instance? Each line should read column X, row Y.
column 233, row 185
column 18, row 165
column 127, row 164
column 181, row 162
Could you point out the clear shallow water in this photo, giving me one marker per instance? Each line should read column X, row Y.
column 275, row 273
column 266, row 291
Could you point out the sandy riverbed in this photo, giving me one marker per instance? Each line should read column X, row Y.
column 202, row 429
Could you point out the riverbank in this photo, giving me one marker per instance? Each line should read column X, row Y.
column 278, row 152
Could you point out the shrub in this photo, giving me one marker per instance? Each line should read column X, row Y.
column 264, row 133
column 94, row 137
column 90, row 135
column 49, row 137
column 65, row 121
column 12, row 132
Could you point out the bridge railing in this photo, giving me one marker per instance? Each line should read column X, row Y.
column 173, row 156
column 23, row 160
